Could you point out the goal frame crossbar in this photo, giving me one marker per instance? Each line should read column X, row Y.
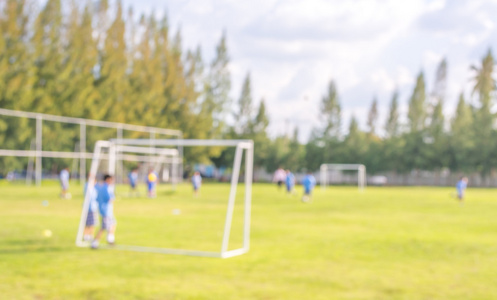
column 361, row 173
column 241, row 146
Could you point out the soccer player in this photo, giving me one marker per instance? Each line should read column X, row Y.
column 196, row 182
column 461, row 188
column 290, row 182
column 308, row 182
column 105, row 199
column 92, row 210
column 279, row 177
column 64, row 183
column 133, row 181
column 151, row 183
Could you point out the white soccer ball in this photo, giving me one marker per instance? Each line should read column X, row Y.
column 47, row 233
column 176, row 211
column 44, row 203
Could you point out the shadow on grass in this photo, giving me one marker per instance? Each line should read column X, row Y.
column 31, row 250
column 31, row 246
column 167, row 193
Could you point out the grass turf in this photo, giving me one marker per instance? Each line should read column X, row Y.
column 385, row 243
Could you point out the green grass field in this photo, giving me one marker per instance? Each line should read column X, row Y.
column 385, row 243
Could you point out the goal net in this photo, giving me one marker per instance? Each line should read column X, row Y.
column 333, row 173
column 106, row 154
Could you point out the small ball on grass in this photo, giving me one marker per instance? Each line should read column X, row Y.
column 47, row 233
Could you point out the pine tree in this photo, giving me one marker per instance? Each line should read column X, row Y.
column 355, row 143
column 438, row 96
column 217, row 87
column 462, row 137
column 435, row 136
column 331, row 113
column 48, row 54
column 113, row 101
column 417, row 113
column 258, row 132
column 373, row 117
column 243, row 117
column 17, row 78
column 261, row 121
column 392, row 127
column 80, row 58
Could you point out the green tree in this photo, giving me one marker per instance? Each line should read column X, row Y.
column 462, row 138
column 295, row 155
column 435, row 135
column 258, row 132
column 331, row 113
column 48, row 50
column 483, row 117
column 80, row 58
column 112, row 83
column 16, row 77
column 417, row 114
column 391, row 150
column 355, row 144
column 217, row 88
column 373, row 118
column 243, row 116
column 392, row 126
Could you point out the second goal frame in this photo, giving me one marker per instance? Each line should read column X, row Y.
column 241, row 146
column 361, row 173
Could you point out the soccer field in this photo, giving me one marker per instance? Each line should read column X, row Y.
column 385, row 243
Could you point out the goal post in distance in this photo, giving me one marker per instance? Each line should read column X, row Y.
column 241, row 146
column 361, row 173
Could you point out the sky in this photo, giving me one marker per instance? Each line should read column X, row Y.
column 293, row 48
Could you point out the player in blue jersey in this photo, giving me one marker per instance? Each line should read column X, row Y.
column 105, row 199
column 461, row 188
column 196, row 182
column 289, row 182
column 308, row 182
column 133, row 182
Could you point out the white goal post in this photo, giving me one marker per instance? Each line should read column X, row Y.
column 361, row 173
column 142, row 146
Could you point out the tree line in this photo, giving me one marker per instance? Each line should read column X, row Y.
column 98, row 60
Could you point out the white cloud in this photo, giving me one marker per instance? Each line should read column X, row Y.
column 370, row 47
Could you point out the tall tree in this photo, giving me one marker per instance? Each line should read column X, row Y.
column 16, row 76
column 484, row 86
column 436, row 124
column 355, row 143
column 218, row 87
column 484, row 118
column 331, row 113
column 112, row 86
column 243, row 116
column 373, row 117
column 392, row 127
column 258, row 132
column 417, row 112
column 47, row 46
column 435, row 136
column 462, row 137
column 80, row 58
